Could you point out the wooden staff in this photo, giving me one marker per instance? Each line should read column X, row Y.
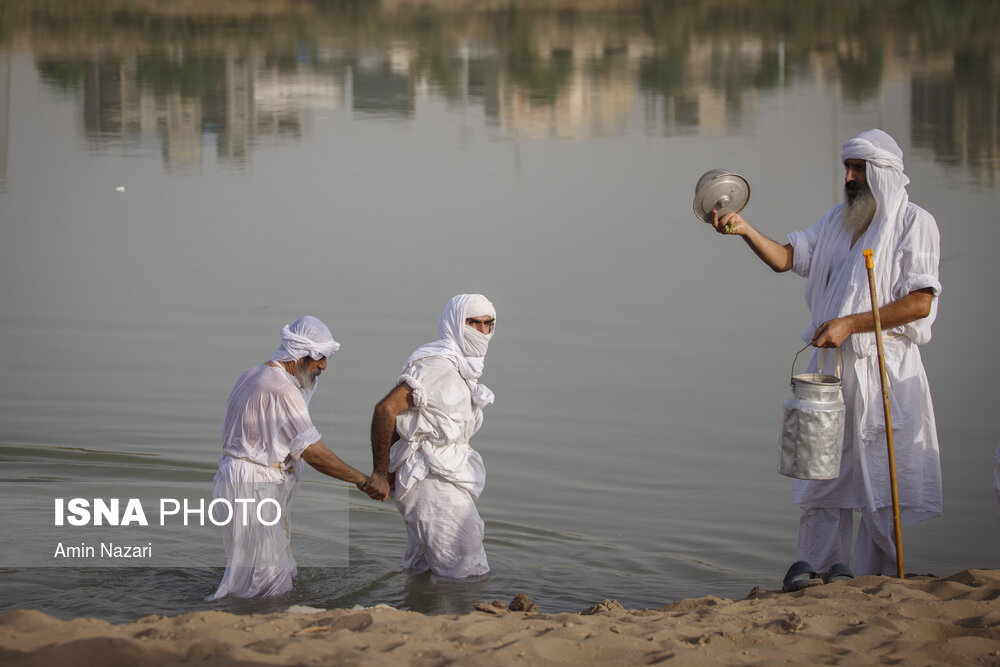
column 898, row 535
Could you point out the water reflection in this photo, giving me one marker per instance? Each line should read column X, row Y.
column 154, row 78
column 436, row 595
column 4, row 117
column 181, row 105
column 956, row 113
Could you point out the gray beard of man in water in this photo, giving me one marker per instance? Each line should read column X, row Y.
column 859, row 206
column 305, row 378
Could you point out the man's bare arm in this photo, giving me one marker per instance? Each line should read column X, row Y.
column 912, row 307
column 322, row 459
column 382, row 435
column 777, row 256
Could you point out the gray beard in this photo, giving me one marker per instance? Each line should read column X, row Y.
column 306, row 379
column 859, row 209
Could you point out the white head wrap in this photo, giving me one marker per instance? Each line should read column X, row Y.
column 474, row 342
column 876, row 148
column 306, row 337
column 454, row 346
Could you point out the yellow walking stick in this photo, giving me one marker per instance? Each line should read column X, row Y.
column 898, row 535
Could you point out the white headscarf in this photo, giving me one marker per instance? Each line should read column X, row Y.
column 306, row 337
column 468, row 356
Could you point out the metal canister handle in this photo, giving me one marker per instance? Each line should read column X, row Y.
column 837, row 367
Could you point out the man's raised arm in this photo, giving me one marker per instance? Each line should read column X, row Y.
column 772, row 253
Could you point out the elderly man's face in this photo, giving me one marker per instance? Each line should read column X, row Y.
column 858, row 196
column 855, row 182
column 308, row 369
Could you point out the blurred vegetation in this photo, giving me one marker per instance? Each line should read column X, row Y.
column 853, row 33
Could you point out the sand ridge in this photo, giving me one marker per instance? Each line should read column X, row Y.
column 921, row 620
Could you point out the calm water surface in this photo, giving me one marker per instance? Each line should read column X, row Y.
column 175, row 187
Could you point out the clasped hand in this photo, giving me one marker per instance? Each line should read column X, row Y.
column 730, row 223
column 377, row 487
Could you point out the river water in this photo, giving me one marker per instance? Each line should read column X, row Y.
column 177, row 183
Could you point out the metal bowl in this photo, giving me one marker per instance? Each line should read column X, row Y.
column 721, row 190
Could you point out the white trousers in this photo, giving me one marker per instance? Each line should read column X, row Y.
column 259, row 561
column 444, row 533
column 825, row 539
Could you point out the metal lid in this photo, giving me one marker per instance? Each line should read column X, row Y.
column 721, row 190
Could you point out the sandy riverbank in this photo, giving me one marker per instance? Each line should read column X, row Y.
column 917, row 621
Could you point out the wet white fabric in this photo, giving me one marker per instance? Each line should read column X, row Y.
column 435, row 432
column 267, row 419
column 438, row 476
column 266, row 429
column 259, row 561
column 306, row 337
column 444, row 533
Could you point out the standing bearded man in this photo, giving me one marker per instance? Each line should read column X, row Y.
column 420, row 435
column 266, row 435
column 876, row 214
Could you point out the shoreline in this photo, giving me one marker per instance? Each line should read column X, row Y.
column 873, row 619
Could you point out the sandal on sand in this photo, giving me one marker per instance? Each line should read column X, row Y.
column 839, row 572
column 800, row 575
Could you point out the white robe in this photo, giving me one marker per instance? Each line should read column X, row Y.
column 439, row 476
column 863, row 483
column 266, row 429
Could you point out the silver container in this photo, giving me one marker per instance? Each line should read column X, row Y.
column 812, row 426
column 722, row 190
